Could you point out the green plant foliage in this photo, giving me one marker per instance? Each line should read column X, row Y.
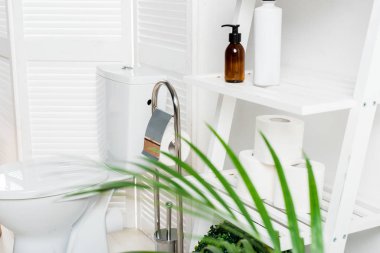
column 316, row 219
column 209, row 202
column 297, row 241
column 273, row 234
column 220, row 233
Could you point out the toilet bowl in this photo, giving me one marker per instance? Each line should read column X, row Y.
column 34, row 205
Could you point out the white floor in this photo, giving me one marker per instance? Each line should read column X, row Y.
column 129, row 240
column 123, row 241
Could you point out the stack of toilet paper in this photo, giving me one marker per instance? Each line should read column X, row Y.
column 285, row 134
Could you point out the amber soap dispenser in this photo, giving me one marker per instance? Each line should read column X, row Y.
column 235, row 57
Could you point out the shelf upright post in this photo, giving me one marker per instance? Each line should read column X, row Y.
column 356, row 139
column 243, row 15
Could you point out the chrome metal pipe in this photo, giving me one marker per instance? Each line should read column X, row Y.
column 157, row 215
column 169, row 219
column 177, row 130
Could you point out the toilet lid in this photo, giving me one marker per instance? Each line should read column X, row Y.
column 48, row 177
column 130, row 76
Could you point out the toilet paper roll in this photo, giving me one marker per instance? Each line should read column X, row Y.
column 284, row 133
column 261, row 175
column 297, row 178
column 167, row 145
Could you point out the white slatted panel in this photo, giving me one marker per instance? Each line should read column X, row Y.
column 65, row 40
column 68, row 30
column 162, row 31
column 77, row 18
column 184, row 98
column 163, row 41
column 7, row 119
column 3, row 20
column 63, row 108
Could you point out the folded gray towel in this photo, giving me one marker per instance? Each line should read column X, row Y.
column 154, row 133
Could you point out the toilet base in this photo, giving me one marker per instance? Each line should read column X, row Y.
column 49, row 243
column 89, row 234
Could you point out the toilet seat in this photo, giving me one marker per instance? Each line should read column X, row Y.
column 48, row 177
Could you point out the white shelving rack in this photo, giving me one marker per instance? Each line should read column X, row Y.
column 362, row 217
column 307, row 94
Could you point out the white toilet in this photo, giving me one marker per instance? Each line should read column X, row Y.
column 31, row 193
column 32, row 203
column 127, row 109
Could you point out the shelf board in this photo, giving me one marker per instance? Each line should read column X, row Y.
column 300, row 93
column 364, row 216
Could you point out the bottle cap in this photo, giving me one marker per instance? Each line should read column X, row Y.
column 235, row 36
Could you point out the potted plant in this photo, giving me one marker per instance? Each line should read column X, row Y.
column 231, row 238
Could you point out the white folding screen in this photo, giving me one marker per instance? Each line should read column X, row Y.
column 63, row 108
column 3, row 20
column 8, row 142
column 65, row 41
column 163, row 40
column 162, row 34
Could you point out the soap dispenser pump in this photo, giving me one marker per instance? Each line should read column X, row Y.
column 234, row 57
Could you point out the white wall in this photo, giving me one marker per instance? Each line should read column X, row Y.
column 321, row 36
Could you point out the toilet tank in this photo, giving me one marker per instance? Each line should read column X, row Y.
column 126, row 110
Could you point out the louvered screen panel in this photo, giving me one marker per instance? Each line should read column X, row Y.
column 162, row 32
column 184, row 97
column 163, row 37
column 3, row 20
column 63, row 108
column 8, row 148
column 83, row 30
column 65, row 41
column 82, row 18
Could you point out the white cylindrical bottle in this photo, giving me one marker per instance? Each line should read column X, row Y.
column 267, row 44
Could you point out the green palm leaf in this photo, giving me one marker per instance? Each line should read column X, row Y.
column 175, row 174
column 227, row 186
column 220, row 243
column 212, row 249
column 297, row 241
column 209, row 202
column 246, row 246
column 315, row 214
column 196, row 176
column 254, row 194
column 233, row 194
